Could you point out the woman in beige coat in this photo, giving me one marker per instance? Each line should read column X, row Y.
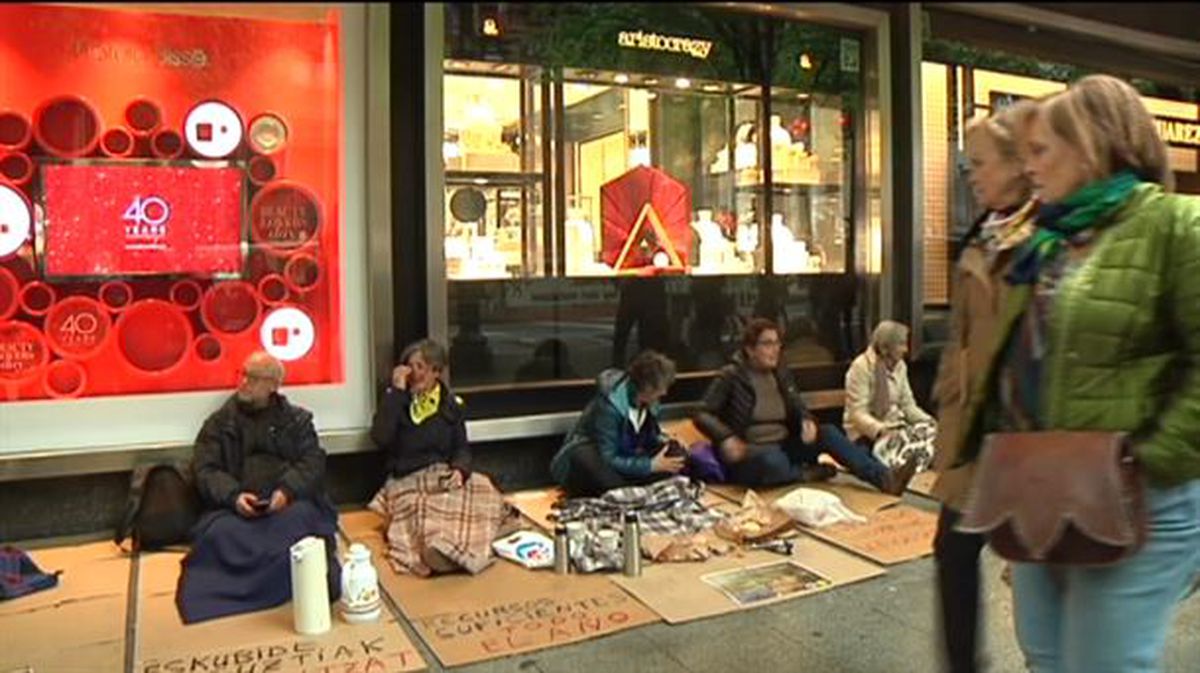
column 977, row 293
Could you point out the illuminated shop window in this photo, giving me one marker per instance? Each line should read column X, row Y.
column 169, row 197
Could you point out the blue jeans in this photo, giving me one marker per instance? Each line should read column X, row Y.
column 1075, row 619
column 772, row 464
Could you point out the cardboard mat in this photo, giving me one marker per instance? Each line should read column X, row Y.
column 893, row 535
column 858, row 496
column 682, row 592
column 922, row 484
column 258, row 641
column 537, row 505
column 504, row 610
column 78, row 625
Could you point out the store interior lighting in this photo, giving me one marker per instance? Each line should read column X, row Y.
column 806, row 62
column 682, row 83
column 621, row 78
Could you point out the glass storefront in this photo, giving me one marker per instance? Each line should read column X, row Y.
column 961, row 83
column 620, row 177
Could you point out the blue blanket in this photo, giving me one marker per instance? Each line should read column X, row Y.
column 239, row 565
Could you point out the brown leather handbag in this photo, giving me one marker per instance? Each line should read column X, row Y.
column 1058, row 497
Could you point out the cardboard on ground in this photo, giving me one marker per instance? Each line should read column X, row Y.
column 504, row 610
column 677, row 592
column 258, row 641
column 78, row 625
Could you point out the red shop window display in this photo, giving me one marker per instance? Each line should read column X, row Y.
column 169, row 199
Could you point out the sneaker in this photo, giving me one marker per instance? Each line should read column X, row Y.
column 896, row 479
column 818, row 472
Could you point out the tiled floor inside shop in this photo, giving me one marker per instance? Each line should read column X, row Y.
column 107, row 616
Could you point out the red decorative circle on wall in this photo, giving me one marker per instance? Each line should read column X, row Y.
column 9, row 294
column 186, row 294
column 77, row 327
column 64, row 378
column 117, row 142
column 116, row 295
column 15, row 130
column 67, row 126
column 284, row 216
column 154, row 335
column 166, row 144
column 272, row 289
column 302, row 273
column 37, row 298
column 23, row 351
column 230, row 308
column 143, row 116
column 207, row 348
column 261, row 169
column 16, row 167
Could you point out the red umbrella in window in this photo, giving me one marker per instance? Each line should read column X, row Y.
column 646, row 212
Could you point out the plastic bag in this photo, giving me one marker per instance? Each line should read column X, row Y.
column 528, row 548
column 816, row 508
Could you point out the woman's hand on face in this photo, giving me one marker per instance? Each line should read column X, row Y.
column 400, row 377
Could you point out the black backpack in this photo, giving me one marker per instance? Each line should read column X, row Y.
column 162, row 508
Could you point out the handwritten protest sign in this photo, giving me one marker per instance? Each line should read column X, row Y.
column 893, row 535
column 258, row 642
column 502, row 611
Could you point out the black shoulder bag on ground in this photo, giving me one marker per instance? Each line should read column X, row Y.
column 162, row 507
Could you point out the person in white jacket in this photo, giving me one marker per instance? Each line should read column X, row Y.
column 880, row 410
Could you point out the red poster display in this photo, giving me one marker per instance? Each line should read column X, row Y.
column 169, row 199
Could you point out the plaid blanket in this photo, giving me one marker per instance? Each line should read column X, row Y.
column 19, row 575
column 433, row 518
column 668, row 507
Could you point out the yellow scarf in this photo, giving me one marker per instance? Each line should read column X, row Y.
column 425, row 404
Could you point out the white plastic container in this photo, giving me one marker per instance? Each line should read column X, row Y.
column 310, row 589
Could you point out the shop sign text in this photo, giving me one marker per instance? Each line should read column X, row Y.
column 654, row 42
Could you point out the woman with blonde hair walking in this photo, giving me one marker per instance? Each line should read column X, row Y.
column 1100, row 333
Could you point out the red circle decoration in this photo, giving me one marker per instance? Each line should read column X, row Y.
column 117, row 142
column 15, row 130
column 67, row 126
column 16, row 167
column 37, row 298
column 231, row 307
column 273, row 289
column 166, row 144
column 77, row 327
column 302, row 273
column 207, row 348
column 64, row 378
column 284, row 216
column 9, row 294
column 186, row 294
column 116, row 295
column 154, row 336
column 143, row 116
column 23, row 351
column 261, row 169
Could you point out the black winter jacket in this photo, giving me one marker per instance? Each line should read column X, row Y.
column 238, row 450
column 442, row 438
column 728, row 405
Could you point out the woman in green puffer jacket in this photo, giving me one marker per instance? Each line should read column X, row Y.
column 1101, row 331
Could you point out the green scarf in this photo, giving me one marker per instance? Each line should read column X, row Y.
column 1086, row 208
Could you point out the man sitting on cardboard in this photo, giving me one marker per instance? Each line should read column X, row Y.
column 260, row 472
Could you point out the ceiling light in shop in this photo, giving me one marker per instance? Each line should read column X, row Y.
column 651, row 81
column 621, row 79
column 682, row 83
column 651, row 96
column 802, row 96
column 806, row 62
column 712, row 87
column 480, row 181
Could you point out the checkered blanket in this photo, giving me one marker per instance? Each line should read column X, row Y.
column 668, row 507
column 434, row 518
column 19, row 575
